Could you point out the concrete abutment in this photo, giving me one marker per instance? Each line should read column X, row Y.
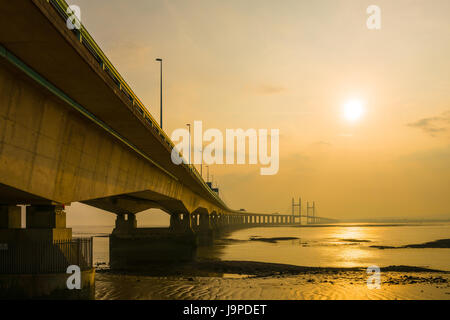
column 34, row 259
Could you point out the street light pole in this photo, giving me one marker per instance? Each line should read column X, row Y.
column 189, row 126
column 201, row 162
column 161, row 98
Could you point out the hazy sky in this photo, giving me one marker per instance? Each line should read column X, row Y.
column 292, row 65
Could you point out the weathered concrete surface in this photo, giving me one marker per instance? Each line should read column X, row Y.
column 46, row 286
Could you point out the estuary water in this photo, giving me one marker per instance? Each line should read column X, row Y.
column 338, row 245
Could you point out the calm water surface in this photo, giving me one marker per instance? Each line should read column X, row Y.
column 324, row 246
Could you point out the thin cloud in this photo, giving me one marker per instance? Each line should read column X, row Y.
column 266, row 89
column 433, row 126
column 322, row 144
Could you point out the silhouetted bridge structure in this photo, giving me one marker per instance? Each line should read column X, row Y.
column 72, row 130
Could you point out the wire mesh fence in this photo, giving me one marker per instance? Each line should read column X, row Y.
column 46, row 257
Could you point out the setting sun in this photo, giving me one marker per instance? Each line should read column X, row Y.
column 353, row 110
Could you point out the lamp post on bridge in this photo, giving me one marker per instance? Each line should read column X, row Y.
column 201, row 162
column 160, row 88
column 189, row 126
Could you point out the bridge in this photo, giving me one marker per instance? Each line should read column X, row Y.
column 72, row 130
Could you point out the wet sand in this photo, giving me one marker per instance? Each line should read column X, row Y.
column 223, row 280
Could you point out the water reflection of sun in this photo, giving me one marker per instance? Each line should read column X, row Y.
column 350, row 233
column 355, row 255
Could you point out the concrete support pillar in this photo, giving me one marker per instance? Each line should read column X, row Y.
column 205, row 223
column 10, row 217
column 177, row 224
column 214, row 221
column 205, row 234
column 132, row 222
column 120, row 221
column 46, row 217
column 193, row 221
column 127, row 222
column 47, row 223
column 186, row 222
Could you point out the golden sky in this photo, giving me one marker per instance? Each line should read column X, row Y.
column 292, row 65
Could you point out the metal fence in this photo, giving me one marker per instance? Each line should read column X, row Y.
column 46, row 257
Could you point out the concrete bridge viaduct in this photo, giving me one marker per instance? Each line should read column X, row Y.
column 71, row 129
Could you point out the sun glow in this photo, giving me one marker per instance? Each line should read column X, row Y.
column 353, row 110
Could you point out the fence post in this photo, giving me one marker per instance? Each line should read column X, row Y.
column 92, row 252
column 78, row 251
